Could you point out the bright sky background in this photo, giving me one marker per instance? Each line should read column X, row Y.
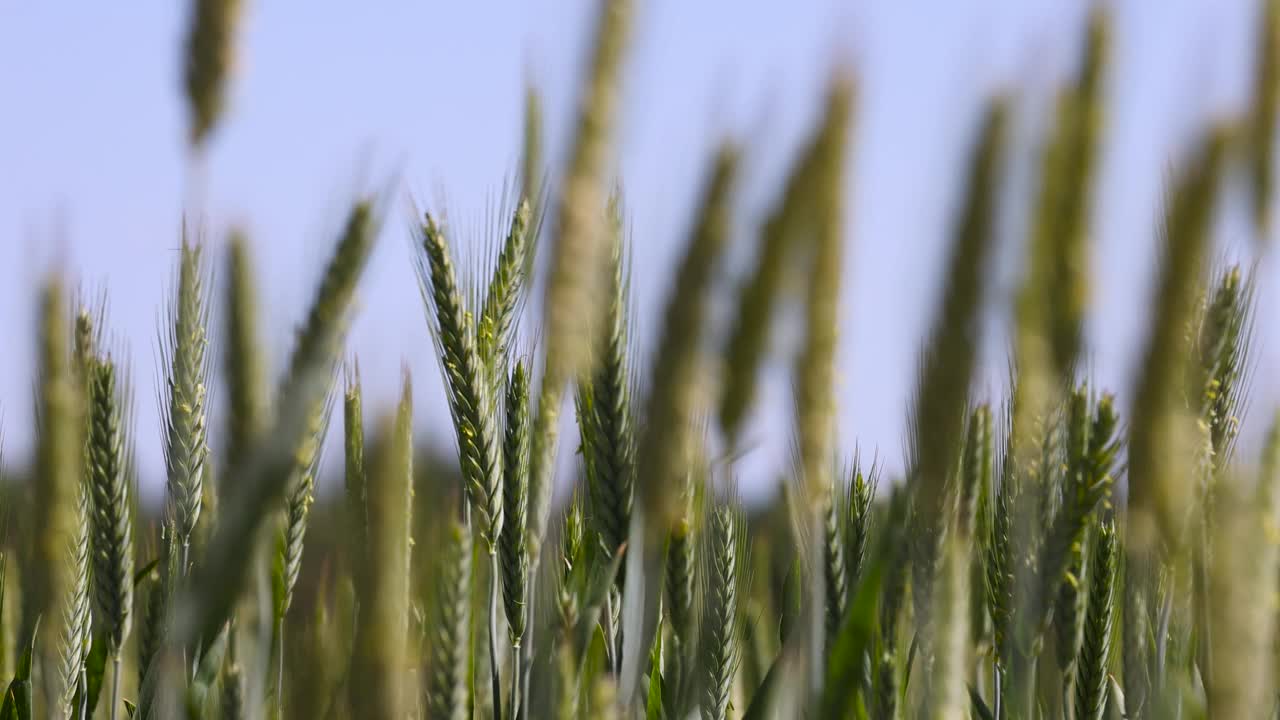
column 331, row 99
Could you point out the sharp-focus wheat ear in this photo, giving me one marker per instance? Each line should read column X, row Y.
column 609, row 414
column 1262, row 122
column 1159, row 442
column 221, row 575
column 575, row 284
column 1223, row 345
column 448, row 644
column 183, row 351
column 497, row 321
column 290, row 541
column 470, row 398
column 384, row 589
column 244, row 365
column 354, row 477
column 1088, row 484
column 862, row 493
column 112, row 521
column 77, row 620
column 299, row 495
column 210, row 54
column 726, row 565
column 665, row 445
column 835, row 569
column 515, row 497
column 1095, row 645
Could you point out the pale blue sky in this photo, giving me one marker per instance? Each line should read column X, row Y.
column 330, row 99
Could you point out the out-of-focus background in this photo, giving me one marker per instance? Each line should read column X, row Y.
column 334, row 98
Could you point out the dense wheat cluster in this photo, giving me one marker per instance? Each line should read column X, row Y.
column 1051, row 553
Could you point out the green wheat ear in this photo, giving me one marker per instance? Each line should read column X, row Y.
column 1159, row 484
column 575, row 283
column 862, row 493
column 1220, row 375
column 725, row 584
column 209, row 57
column 608, row 424
column 946, row 692
column 383, row 585
column 77, row 613
column 515, row 497
column 946, row 365
column 1242, row 578
column 184, row 354
column 1262, row 123
column 248, row 398
column 112, row 521
column 447, row 639
column 665, row 446
column 59, row 451
column 309, row 376
column 1095, row 648
column 470, row 397
column 355, row 481
column 496, row 324
column 531, row 168
column 834, row 565
column 299, row 496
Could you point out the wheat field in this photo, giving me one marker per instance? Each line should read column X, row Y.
column 1047, row 552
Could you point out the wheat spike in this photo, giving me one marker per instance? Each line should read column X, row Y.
column 1095, row 645
column 209, row 57
column 1158, row 482
column 111, row 512
column 723, row 583
column 666, row 444
column 1262, row 123
column 608, row 416
column 77, row 613
column 384, row 589
column 515, row 489
column 835, row 571
column 244, row 365
column 470, row 396
column 223, row 569
column 576, row 279
column 355, row 481
column 448, row 643
column 59, row 451
column 496, row 324
column 183, row 349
